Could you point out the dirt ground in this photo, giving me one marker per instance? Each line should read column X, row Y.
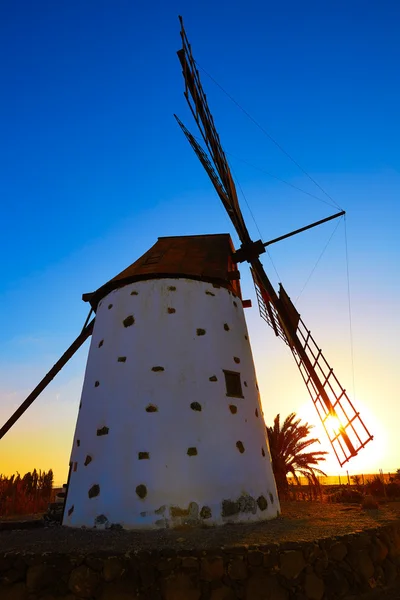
column 299, row 521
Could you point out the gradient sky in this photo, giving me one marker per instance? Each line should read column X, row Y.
column 94, row 169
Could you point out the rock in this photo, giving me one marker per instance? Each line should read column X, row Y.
column 321, row 563
column 180, row 587
column 223, row 593
column 83, row 582
column 271, row 558
column 167, row 564
column 390, row 572
column 369, row 502
column 113, row 568
column 362, row 564
column 255, row 558
column 17, row 591
column 379, row 551
column 266, row 587
column 359, row 541
column 95, row 563
column 336, row 582
column 14, row 575
column 118, row 591
column 212, row 568
column 39, row 577
column 237, row 569
column 6, row 563
column 394, row 549
column 313, row 586
column 338, row 551
column 190, row 564
column 147, row 575
column 292, row 563
column 312, row 553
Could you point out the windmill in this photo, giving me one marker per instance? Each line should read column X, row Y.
column 170, row 427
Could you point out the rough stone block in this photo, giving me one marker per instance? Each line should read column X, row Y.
column 255, row 558
column 167, row 564
column 180, row 587
column 212, row 568
column 313, row 586
column 6, row 563
column 147, row 575
column 223, row 593
column 17, row 591
column 237, row 569
column 83, row 582
column 337, row 552
column 118, row 591
column 39, row 577
column 336, row 582
column 94, row 562
column 292, row 563
column 362, row 564
column 13, row 575
column 265, row 588
column 379, row 551
column 190, row 564
column 113, row 568
column 390, row 572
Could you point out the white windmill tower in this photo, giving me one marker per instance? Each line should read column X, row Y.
column 170, row 427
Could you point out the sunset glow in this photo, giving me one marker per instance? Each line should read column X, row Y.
column 95, row 169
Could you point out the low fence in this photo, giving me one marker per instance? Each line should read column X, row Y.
column 347, row 479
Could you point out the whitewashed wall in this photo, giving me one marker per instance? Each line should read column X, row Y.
column 162, row 345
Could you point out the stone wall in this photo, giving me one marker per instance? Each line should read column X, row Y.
column 329, row 568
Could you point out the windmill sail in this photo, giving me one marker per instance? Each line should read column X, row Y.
column 342, row 423
column 198, row 105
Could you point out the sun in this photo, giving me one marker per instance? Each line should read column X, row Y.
column 333, row 425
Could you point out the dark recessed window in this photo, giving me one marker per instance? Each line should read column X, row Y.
column 233, row 384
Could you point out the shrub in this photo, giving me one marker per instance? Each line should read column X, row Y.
column 346, row 495
column 29, row 494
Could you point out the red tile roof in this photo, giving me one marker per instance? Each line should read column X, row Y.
column 202, row 257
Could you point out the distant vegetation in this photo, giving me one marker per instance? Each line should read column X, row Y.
column 29, row 494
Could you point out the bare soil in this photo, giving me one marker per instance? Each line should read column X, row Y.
column 299, row 521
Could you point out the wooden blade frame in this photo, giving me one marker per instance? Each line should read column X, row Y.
column 205, row 161
column 198, row 105
column 343, row 425
column 82, row 337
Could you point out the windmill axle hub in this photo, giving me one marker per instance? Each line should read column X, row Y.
column 249, row 251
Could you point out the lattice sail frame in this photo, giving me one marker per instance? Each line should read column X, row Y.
column 197, row 102
column 343, row 408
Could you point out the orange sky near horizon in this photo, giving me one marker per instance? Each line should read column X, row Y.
column 43, row 436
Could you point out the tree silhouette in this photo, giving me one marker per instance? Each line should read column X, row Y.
column 287, row 444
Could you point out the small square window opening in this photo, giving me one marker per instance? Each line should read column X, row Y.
column 233, row 384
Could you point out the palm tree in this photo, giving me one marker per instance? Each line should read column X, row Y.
column 287, row 445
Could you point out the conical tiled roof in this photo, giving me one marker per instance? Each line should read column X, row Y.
column 202, row 257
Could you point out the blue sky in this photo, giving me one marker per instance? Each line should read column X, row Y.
column 94, row 169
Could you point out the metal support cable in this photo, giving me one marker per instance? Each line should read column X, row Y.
column 318, row 260
column 269, row 136
column 350, row 310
